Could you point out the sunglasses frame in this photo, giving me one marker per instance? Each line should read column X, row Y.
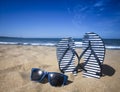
column 48, row 76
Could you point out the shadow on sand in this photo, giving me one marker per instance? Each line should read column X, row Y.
column 108, row 70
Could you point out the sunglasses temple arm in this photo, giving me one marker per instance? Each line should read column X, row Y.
column 65, row 80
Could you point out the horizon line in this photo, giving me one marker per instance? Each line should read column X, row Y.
column 47, row 37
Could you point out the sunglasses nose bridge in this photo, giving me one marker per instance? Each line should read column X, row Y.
column 45, row 75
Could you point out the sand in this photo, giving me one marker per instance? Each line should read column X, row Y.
column 16, row 62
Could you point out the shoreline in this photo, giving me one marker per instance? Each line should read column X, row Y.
column 16, row 62
column 107, row 47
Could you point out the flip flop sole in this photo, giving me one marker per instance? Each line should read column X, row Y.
column 92, row 66
column 65, row 57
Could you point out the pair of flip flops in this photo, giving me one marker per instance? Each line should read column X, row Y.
column 93, row 55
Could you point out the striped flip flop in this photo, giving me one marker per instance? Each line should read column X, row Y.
column 66, row 55
column 94, row 53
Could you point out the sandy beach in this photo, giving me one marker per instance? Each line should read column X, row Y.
column 16, row 62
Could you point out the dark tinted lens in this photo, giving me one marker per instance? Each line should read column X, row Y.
column 56, row 79
column 36, row 74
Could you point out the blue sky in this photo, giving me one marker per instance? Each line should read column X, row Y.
column 59, row 18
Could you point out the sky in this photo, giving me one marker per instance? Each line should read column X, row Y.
column 59, row 18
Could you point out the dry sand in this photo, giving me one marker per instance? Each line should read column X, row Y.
column 16, row 63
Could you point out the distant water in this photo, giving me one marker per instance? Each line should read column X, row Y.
column 109, row 43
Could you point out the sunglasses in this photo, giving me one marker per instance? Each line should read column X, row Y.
column 54, row 78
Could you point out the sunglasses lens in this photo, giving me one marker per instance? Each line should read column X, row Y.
column 57, row 79
column 36, row 74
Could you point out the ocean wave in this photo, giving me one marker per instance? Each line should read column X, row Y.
column 11, row 43
column 44, row 44
column 113, row 47
column 78, row 44
column 25, row 43
column 53, row 44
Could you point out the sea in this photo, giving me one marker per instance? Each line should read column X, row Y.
column 52, row 42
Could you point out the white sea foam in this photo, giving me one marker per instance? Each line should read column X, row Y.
column 112, row 47
column 12, row 43
column 43, row 44
column 25, row 43
column 77, row 44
